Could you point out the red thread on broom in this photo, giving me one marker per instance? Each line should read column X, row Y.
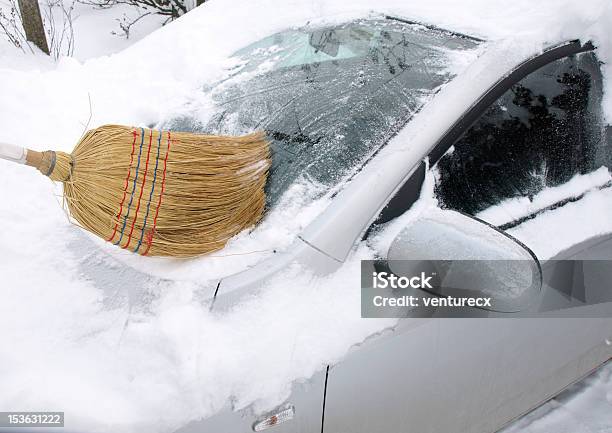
column 149, row 238
column 144, row 178
column 135, row 134
column 151, row 233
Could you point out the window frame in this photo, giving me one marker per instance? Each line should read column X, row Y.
column 405, row 197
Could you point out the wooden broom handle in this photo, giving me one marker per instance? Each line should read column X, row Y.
column 33, row 158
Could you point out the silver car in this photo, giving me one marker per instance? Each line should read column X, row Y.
column 512, row 148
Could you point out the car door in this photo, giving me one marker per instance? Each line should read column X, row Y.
column 536, row 164
column 537, row 151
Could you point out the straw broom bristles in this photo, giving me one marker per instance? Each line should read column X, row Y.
column 162, row 193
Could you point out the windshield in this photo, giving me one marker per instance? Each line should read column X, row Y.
column 328, row 98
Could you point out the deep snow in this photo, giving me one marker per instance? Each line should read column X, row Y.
column 72, row 340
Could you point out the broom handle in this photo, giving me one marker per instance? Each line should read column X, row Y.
column 20, row 155
column 10, row 152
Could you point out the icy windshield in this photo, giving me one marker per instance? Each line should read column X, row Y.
column 328, row 98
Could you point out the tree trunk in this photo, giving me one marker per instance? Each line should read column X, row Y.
column 33, row 24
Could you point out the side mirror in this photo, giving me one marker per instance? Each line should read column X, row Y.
column 469, row 258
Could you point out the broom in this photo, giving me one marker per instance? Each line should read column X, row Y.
column 158, row 193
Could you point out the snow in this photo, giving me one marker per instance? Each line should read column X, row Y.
column 114, row 355
column 541, row 234
column 116, row 369
column 516, row 208
column 107, row 37
column 583, row 408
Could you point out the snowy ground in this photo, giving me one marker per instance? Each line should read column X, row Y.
column 110, row 356
column 107, row 38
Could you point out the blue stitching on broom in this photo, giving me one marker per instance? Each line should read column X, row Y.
column 127, row 215
column 144, row 226
column 127, row 179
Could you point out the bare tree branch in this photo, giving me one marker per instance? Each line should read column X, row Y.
column 60, row 31
column 172, row 9
column 11, row 27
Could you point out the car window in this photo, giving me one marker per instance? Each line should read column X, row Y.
column 540, row 145
column 329, row 98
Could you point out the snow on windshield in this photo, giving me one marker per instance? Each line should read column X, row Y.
column 330, row 97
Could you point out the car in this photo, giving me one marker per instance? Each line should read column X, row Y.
column 404, row 134
column 514, row 149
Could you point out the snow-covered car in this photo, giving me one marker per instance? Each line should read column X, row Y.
column 514, row 148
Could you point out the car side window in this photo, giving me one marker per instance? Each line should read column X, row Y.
column 543, row 132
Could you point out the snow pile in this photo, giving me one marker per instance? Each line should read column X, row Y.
column 110, row 346
column 515, row 208
column 588, row 217
column 117, row 370
column 108, row 37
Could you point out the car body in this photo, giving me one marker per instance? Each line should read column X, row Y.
column 464, row 374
